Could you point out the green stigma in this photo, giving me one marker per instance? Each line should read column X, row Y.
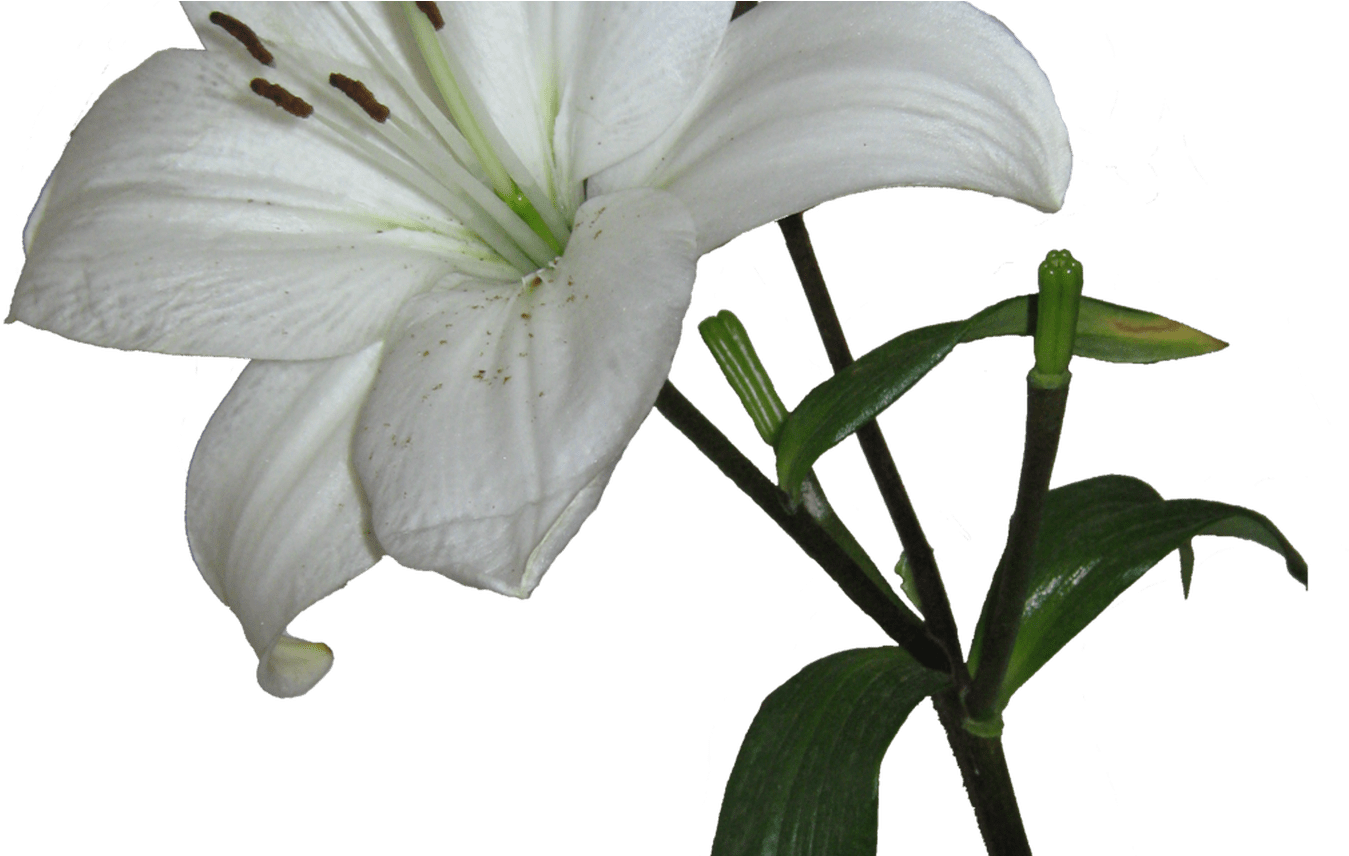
column 526, row 211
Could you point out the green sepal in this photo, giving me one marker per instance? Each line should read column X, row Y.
column 730, row 345
column 836, row 408
column 1097, row 538
column 806, row 780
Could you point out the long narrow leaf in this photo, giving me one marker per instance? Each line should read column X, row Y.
column 839, row 406
column 1118, row 334
column 1105, row 331
column 806, row 780
column 1098, row 537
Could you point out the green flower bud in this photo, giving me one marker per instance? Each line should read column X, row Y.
column 1056, row 318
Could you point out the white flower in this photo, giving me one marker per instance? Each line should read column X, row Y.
column 441, row 375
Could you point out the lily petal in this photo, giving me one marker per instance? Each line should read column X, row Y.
column 578, row 79
column 807, row 102
column 498, row 413
column 614, row 98
column 234, row 229
column 275, row 517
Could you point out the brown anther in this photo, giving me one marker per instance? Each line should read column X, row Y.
column 356, row 91
column 244, row 35
column 282, row 97
column 432, row 13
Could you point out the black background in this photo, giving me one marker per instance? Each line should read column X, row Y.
column 605, row 712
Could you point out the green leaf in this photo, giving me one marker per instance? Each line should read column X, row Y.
column 1186, row 551
column 907, row 583
column 731, row 347
column 1097, row 538
column 1105, row 331
column 1011, row 317
column 839, row 406
column 806, row 780
column 1118, row 334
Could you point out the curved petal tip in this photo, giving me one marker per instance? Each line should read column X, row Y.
column 292, row 666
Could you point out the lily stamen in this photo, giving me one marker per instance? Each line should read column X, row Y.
column 514, row 217
column 282, row 97
column 461, row 194
column 488, row 230
column 442, row 74
column 454, row 141
column 457, row 200
column 357, row 91
column 475, row 124
column 432, row 13
column 244, row 35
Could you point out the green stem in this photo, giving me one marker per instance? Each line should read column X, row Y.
column 988, row 782
column 893, row 617
column 927, row 579
column 1011, row 581
column 983, row 767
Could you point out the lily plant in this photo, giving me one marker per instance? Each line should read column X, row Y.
column 459, row 241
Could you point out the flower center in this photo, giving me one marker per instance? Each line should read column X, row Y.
column 465, row 165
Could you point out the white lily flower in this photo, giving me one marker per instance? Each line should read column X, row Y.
column 460, row 255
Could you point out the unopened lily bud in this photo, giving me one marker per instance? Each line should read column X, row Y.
column 1056, row 318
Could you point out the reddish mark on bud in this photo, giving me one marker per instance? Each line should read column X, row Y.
column 282, row 97
column 432, row 13
column 356, row 91
column 244, row 35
